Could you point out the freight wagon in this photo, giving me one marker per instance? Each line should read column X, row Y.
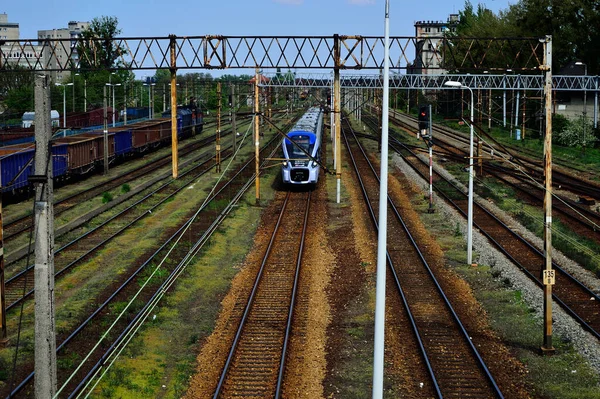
column 82, row 154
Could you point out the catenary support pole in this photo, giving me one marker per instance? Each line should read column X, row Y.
column 430, row 145
column 105, row 134
column 218, row 141
column 174, row 143
column 45, row 339
column 233, row 121
column 257, row 136
column 3, row 330
column 548, row 277
column 378, row 356
column 337, row 117
column 504, row 102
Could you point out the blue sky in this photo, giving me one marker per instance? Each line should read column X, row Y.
column 149, row 18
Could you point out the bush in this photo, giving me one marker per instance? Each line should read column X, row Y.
column 125, row 188
column 106, row 197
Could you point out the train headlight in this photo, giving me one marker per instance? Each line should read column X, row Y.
column 314, row 164
column 285, row 163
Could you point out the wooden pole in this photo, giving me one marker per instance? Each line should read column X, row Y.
column 218, row 142
column 548, row 274
column 174, row 142
column 233, row 121
column 257, row 135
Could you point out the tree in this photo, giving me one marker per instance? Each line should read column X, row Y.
column 574, row 26
column 16, row 89
column 97, row 48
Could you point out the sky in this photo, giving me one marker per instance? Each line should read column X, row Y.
column 152, row 18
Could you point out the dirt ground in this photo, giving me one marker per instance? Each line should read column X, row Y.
column 331, row 352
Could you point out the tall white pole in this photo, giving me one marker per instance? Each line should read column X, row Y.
column 113, row 104
column 378, row 358
column 64, row 107
column 470, row 208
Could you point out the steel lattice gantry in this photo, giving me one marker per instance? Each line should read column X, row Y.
column 431, row 81
column 309, row 52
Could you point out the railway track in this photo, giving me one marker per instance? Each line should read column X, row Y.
column 78, row 342
column 15, row 227
column 561, row 171
column 453, row 364
column 256, row 362
column 572, row 295
column 579, row 218
column 20, row 286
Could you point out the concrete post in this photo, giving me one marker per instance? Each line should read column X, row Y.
column 3, row 332
column 45, row 340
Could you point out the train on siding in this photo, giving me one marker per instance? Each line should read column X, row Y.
column 78, row 155
column 302, row 140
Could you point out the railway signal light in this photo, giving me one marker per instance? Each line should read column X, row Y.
column 424, row 117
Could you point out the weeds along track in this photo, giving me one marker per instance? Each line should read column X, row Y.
column 95, row 345
column 256, row 361
column 572, row 295
column 449, row 359
column 564, row 174
column 14, row 228
column 577, row 217
column 75, row 250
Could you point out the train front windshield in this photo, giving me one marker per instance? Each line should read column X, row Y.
column 301, row 142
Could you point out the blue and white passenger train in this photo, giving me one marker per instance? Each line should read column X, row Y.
column 297, row 167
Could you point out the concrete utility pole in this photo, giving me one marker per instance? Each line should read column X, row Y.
column 548, row 276
column 337, row 117
column 174, row 107
column 257, row 135
column 218, row 142
column 379, row 345
column 45, row 340
column 3, row 332
column 233, row 124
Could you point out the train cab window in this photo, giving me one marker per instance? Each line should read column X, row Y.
column 304, row 143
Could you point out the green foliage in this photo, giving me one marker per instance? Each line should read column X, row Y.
column 106, row 197
column 125, row 188
column 563, row 20
column 577, row 133
column 96, row 47
column 572, row 24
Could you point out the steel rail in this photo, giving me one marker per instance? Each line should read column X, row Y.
column 77, row 331
column 536, row 279
column 449, row 306
column 63, row 204
column 288, row 328
column 204, row 166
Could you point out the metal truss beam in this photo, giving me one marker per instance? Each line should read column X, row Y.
column 436, row 82
column 309, row 52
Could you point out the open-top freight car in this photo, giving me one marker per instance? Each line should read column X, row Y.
column 82, row 154
column 17, row 162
